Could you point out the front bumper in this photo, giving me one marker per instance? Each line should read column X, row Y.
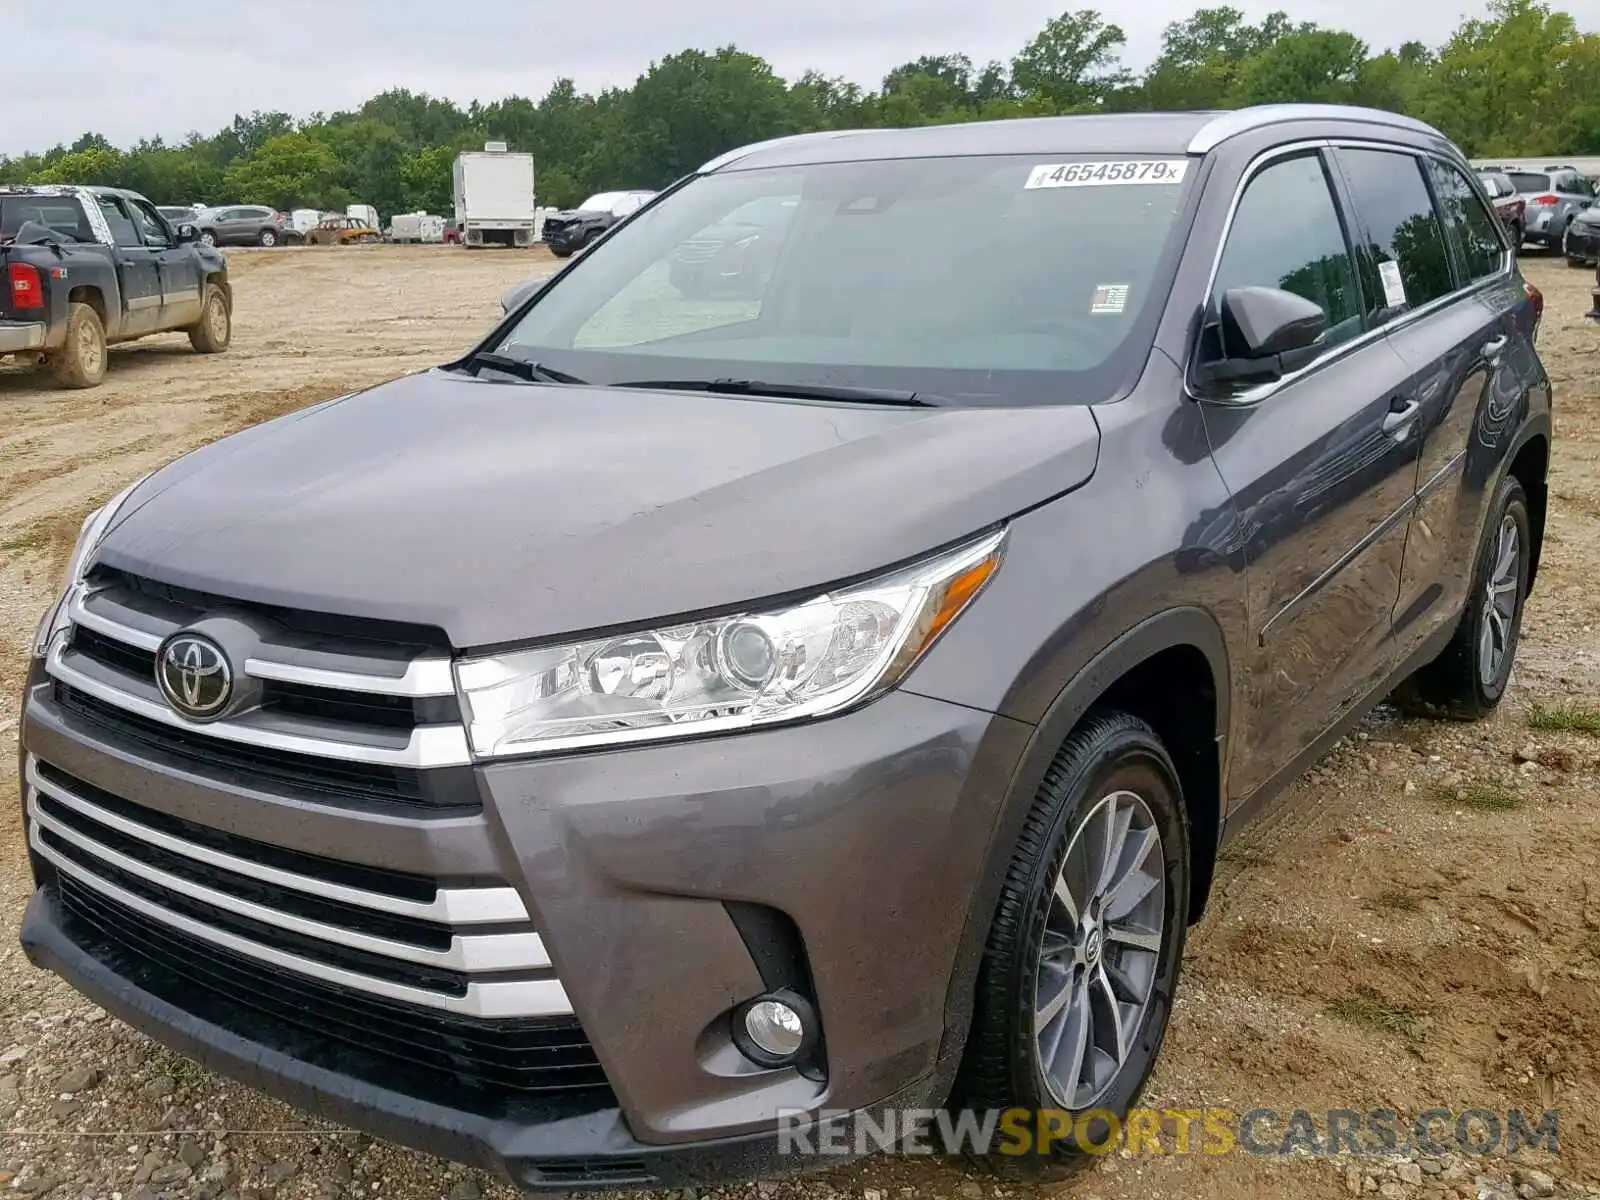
column 1583, row 241
column 17, row 336
column 868, row 832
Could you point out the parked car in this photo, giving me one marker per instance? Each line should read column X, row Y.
column 244, row 225
column 1582, row 244
column 736, row 256
column 87, row 267
column 566, row 232
column 1509, row 205
column 341, row 231
column 1552, row 200
column 668, row 723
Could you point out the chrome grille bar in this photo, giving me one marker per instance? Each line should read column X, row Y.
column 450, row 906
column 494, row 999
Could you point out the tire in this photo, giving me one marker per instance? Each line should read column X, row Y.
column 1576, row 262
column 267, row 238
column 214, row 330
column 1113, row 767
column 208, row 238
column 1465, row 683
column 81, row 361
column 563, row 252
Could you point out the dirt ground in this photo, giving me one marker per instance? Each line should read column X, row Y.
column 1416, row 925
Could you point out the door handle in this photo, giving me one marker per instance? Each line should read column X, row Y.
column 1400, row 415
column 1492, row 350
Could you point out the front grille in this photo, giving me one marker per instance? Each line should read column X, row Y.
column 471, row 951
column 526, row 1070
column 441, row 791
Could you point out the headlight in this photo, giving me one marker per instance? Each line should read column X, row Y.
column 94, row 528
column 752, row 669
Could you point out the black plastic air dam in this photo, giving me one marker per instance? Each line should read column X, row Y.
column 592, row 1150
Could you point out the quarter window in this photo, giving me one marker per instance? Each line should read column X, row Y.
column 1286, row 234
column 1401, row 229
column 1471, row 228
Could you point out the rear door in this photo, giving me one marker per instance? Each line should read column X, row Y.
column 1455, row 326
column 138, row 271
column 1321, row 466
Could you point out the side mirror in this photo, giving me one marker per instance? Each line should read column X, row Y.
column 521, row 292
column 188, row 233
column 1266, row 333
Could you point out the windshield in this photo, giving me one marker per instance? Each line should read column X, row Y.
column 601, row 202
column 985, row 280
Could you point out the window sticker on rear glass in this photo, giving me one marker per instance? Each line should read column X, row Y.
column 1109, row 298
column 1108, row 174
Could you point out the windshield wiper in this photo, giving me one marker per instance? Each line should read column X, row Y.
column 532, row 372
column 797, row 391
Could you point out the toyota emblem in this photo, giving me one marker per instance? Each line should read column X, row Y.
column 194, row 676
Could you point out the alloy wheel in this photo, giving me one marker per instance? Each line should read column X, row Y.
column 1101, row 949
column 1500, row 598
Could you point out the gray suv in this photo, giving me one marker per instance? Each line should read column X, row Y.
column 245, row 225
column 1552, row 198
column 678, row 718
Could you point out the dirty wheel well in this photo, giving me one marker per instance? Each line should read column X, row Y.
column 1175, row 693
column 91, row 297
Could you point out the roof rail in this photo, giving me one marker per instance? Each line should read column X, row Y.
column 734, row 155
column 1219, row 129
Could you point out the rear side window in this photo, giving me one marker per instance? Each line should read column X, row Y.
column 1403, row 261
column 1286, row 234
column 1469, row 224
column 122, row 231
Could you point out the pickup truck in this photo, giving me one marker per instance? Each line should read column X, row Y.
column 86, row 267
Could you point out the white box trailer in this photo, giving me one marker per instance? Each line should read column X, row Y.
column 364, row 212
column 304, row 219
column 416, row 227
column 494, row 197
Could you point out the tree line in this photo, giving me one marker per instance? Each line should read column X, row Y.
column 1522, row 80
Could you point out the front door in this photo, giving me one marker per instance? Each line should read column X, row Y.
column 1321, row 466
column 178, row 265
column 138, row 272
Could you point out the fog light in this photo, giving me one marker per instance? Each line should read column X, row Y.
column 779, row 1029
column 775, row 1028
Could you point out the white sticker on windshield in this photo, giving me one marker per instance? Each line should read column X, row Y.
column 1394, row 288
column 1109, row 298
column 1108, row 174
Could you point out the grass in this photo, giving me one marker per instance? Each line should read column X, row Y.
column 35, row 538
column 1565, row 718
column 1480, row 797
column 1368, row 1009
column 1394, row 900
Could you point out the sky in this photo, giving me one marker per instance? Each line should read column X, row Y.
column 131, row 71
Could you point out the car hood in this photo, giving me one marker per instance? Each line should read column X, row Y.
column 1589, row 216
column 579, row 214
column 499, row 512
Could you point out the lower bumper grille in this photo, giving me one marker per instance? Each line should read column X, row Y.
column 526, row 1070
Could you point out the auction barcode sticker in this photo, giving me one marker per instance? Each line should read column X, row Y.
column 1108, row 174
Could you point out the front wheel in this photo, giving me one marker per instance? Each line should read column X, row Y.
column 1468, row 679
column 1078, row 975
column 561, row 251
column 214, row 330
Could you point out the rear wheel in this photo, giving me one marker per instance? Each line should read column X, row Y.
column 208, row 238
column 214, row 330
column 81, row 361
column 1078, row 975
column 1469, row 677
column 267, row 238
